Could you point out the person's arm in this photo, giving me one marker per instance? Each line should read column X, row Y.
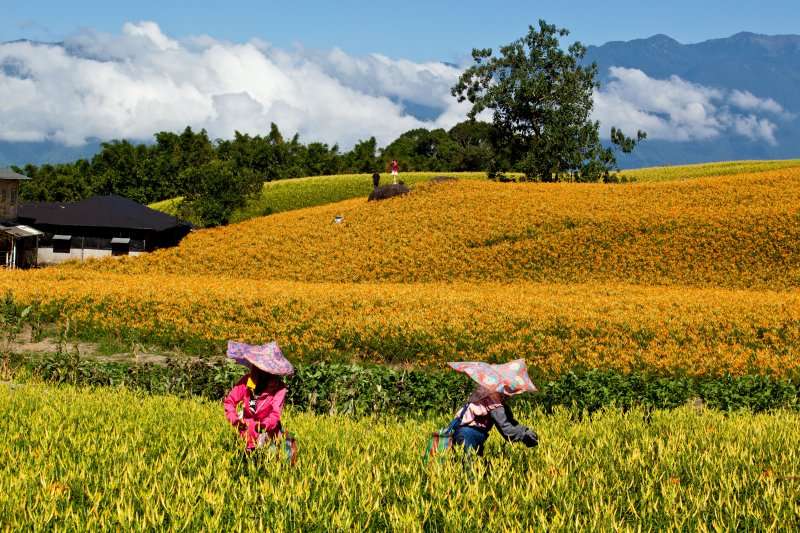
column 271, row 421
column 510, row 429
column 236, row 395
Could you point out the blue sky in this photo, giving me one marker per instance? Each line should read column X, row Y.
column 417, row 30
column 339, row 72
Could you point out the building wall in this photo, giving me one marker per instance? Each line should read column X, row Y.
column 46, row 256
column 9, row 190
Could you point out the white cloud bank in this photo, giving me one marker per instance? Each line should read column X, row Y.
column 134, row 85
column 140, row 82
column 677, row 110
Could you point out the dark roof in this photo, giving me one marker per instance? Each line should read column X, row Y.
column 6, row 174
column 98, row 211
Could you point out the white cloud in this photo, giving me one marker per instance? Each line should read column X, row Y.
column 752, row 127
column 140, row 82
column 747, row 101
column 677, row 110
column 150, row 31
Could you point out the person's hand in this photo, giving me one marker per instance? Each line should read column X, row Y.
column 530, row 439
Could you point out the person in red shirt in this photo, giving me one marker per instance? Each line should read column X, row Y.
column 394, row 171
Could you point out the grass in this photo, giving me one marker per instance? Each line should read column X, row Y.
column 88, row 460
column 725, row 168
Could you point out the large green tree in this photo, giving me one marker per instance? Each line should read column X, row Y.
column 66, row 182
column 125, row 169
column 421, row 149
column 474, row 138
column 541, row 98
column 363, row 158
column 214, row 190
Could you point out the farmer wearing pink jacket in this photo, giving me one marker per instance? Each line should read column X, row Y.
column 255, row 403
column 261, row 396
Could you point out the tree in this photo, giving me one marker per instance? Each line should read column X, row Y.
column 541, row 98
column 125, row 169
column 174, row 153
column 474, row 137
column 214, row 190
column 319, row 160
column 65, row 182
column 362, row 159
column 420, row 149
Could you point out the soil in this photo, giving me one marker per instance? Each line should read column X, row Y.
column 47, row 345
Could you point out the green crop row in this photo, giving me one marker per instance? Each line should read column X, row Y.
column 111, row 460
column 725, row 168
column 365, row 390
column 287, row 195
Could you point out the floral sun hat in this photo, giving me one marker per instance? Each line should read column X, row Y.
column 267, row 357
column 509, row 378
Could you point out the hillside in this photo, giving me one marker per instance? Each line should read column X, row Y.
column 287, row 195
column 697, row 276
column 731, row 231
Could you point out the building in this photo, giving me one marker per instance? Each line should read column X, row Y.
column 97, row 227
column 18, row 242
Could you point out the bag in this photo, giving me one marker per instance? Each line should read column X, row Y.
column 287, row 452
column 442, row 440
column 289, row 448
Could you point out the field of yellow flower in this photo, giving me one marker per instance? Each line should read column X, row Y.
column 556, row 327
column 698, row 276
column 737, row 232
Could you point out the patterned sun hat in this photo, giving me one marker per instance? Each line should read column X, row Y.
column 267, row 357
column 509, row 378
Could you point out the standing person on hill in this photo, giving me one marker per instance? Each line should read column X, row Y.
column 394, row 171
column 254, row 404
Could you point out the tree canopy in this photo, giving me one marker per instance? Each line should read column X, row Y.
column 541, row 99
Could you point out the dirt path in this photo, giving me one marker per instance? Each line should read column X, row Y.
column 48, row 345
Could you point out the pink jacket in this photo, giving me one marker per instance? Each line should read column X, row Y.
column 267, row 416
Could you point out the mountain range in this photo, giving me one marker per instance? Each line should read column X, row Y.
column 760, row 72
column 767, row 67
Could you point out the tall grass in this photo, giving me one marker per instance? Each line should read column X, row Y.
column 93, row 460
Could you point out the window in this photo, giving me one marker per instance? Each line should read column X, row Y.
column 120, row 246
column 61, row 244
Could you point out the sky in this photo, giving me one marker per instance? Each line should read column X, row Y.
column 334, row 72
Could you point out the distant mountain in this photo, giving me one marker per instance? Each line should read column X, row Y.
column 38, row 153
column 768, row 67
